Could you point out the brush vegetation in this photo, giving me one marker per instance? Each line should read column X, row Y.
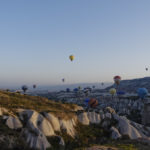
column 94, row 136
column 13, row 101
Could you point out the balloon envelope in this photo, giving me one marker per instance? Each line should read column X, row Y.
column 117, row 79
column 68, row 90
column 93, row 86
column 79, row 87
column 121, row 93
column 63, row 80
column 34, row 86
column 112, row 91
column 71, row 57
column 86, row 101
column 24, row 88
column 75, row 90
column 142, row 92
column 93, row 102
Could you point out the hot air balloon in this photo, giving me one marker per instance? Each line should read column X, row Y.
column 117, row 80
column 86, row 91
column 121, row 93
column 67, row 90
column 34, row 86
column 24, row 88
column 75, row 90
column 112, row 91
column 7, row 90
column 63, row 80
column 142, row 92
column 93, row 102
column 79, row 87
column 146, row 69
column 71, row 57
column 93, row 86
column 89, row 89
column 86, row 101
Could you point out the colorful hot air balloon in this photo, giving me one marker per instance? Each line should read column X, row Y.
column 112, row 91
column 71, row 57
column 142, row 92
column 117, row 80
column 93, row 102
column 24, row 88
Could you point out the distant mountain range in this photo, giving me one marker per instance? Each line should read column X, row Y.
column 132, row 85
column 72, row 86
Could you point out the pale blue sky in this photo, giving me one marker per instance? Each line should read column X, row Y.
column 107, row 37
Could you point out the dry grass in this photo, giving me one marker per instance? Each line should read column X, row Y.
column 13, row 101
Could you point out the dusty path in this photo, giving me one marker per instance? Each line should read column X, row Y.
column 101, row 148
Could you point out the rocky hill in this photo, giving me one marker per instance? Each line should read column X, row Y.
column 132, row 85
column 30, row 122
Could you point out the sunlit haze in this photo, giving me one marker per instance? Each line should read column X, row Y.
column 107, row 38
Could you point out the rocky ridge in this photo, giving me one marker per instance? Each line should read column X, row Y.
column 36, row 127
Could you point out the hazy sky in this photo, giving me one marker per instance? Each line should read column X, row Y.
column 107, row 37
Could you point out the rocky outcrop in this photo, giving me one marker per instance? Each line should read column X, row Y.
column 13, row 122
column 39, row 126
column 36, row 141
column 83, row 118
column 61, row 141
column 115, row 133
column 53, row 120
column 38, row 122
column 78, row 108
column 68, row 126
column 89, row 117
column 94, row 117
column 108, row 115
column 126, row 128
column 4, row 111
column 110, row 110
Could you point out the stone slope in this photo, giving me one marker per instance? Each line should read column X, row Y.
column 40, row 126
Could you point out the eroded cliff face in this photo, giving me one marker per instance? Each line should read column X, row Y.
column 36, row 127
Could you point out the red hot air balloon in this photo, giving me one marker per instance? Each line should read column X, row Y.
column 117, row 80
column 93, row 102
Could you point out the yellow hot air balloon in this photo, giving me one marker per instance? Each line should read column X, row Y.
column 71, row 57
column 112, row 91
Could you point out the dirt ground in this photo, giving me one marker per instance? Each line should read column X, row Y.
column 101, row 148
